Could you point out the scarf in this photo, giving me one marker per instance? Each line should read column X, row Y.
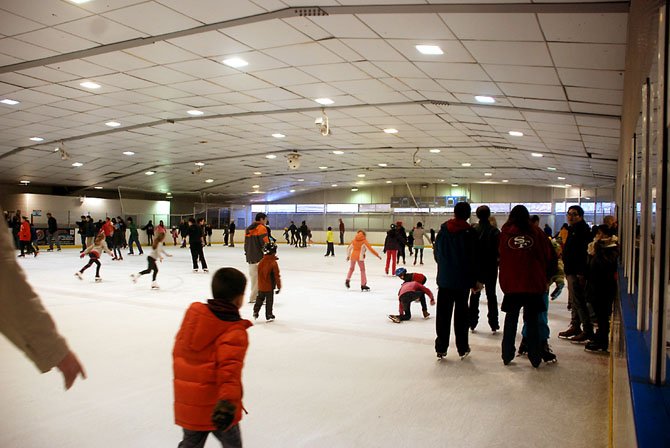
column 226, row 311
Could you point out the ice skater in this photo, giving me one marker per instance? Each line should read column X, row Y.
column 94, row 251
column 329, row 241
column 269, row 281
column 155, row 255
column 419, row 236
column 356, row 255
column 195, row 239
column 412, row 292
column 391, row 246
column 410, row 276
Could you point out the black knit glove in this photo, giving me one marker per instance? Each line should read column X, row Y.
column 223, row 414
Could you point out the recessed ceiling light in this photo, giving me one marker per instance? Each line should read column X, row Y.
column 209, row 181
column 24, row 182
column 235, row 62
column 339, row 153
column 485, row 99
column 257, row 173
column 323, row 167
column 79, row 2
column 454, row 185
column 150, row 173
column 57, row 148
column 429, row 49
column 113, row 124
column 435, row 151
column 354, row 189
column 9, row 102
column 361, row 175
column 271, row 156
column 37, row 139
column 128, row 153
column 568, row 185
column 291, row 191
column 98, row 188
column 301, row 180
column 382, row 164
column 515, row 133
column 278, row 135
column 334, row 185
column 77, row 164
column 551, row 168
column 324, row 101
column 199, row 164
column 90, row 85
column 389, row 181
column 561, row 178
column 466, row 164
column 255, row 186
column 488, row 174
column 441, row 180
column 505, row 181
column 536, row 154
column 391, row 131
column 195, row 112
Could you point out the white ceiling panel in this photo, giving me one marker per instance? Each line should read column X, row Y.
column 335, row 72
column 511, row 27
column 241, row 82
column 453, row 50
column 594, row 56
column 599, row 79
column 438, row 70
column 305, row 54
column 202, row 68
column 601, row 109
column 152, row 18
column 100, row 30
column 540, row 104
column 534, row 91
column 601, row 96
column 211, row 11
column 408, row 26
column 274, row 33
column 200, row 87
column 472, row 87
column 23, row 50
column 56, row 40
column 374, row 49
column 81, row 68
column 119, row 80
column 285, row 77
column 210, row 44
column 160, row 75
column 587, row 28
column 11, row 24
column 47, row 12
column 162, row 53
column 118, row 61
column 522, row 74
column 344, row 26
column 510, row 53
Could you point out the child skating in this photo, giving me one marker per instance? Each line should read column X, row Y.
column 269, row 281
column 356, row 255
column 156, row 254
column 329, row 241
column 94, row 251
column 412, row 292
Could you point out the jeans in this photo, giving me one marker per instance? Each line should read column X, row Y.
column 452, row 301
column 491, row 300
column 543, row 321
column 513, row 305
column 196, row 439
column 50, row 239
column 577, row 297
column 331, row 249
column 136, row 240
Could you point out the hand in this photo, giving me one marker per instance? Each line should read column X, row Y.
column 432, row 302
column 277, row 291
column 347, row 258
column 223, row 414
column 70, row 368
column 82, row 255
column 379, row 257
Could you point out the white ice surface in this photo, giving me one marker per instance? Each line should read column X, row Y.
column 331, row 371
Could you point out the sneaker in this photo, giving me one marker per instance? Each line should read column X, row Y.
column 426, row 314
column 154, row 285
column 570, row 332
column 581, row 338
column 135, row 277
column 595, row 347
column 394, row 318
column 365, row 288
column 78, row 275
column 464, row 355
column 347, row 284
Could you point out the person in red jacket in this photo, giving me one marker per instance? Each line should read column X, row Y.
column 208, row 357
column 268, row 280
column 527, row 261
column 25, row 237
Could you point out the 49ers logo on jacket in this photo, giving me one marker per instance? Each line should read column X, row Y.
column 520, row 242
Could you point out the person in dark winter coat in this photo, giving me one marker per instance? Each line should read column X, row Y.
column 601, row 283
column 293, row 229
column 527, row 262
column 81, row 230
column 255, row 238
column 457, row 274
column 391, row 246
column 195, row 241
column 183, row 231
column 149, row 228
column 231, row 230
column 304, row 232
column 52, row 233
column 402, row 241
column 487, row 257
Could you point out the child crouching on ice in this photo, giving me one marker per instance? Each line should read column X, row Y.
column 208, row 357
column 411, row 292
column 268, row 280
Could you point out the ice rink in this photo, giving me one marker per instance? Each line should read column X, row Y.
column 331, row 371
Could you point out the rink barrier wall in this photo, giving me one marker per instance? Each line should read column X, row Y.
column 650, row 403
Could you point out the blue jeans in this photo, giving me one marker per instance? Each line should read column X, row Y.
column 196, row 439
column 543, row 321
column 134, row 239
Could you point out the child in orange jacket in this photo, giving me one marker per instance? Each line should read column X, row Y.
column 208, row 357
column 268, row 280
column 356, row 255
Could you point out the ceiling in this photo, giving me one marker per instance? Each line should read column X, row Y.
column 555, row 71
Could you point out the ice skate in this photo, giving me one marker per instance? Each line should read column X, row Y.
column 205, row 270
column 464, row 355
column 523, row 347
column 154, row 285
column 347, row 284
column 78, row 275
column 441, row 355
column 98, row 279
column 135, row 277
column 547, row 354
column 255, row 316
column 394, row 318
column 365, row 288
column 195, row 271
column 270, row 319
column 426, row 314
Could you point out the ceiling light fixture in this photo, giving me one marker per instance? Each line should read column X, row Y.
column 551, row 168
column 429, row 49
column 339, row 153
column 441, row 180
column 389, row 181
column 9, row 102
column 77, row 164
column 291, row 191
column 391, row 131
column 199, row 164
column 128, row 153
column 37, row 139
column 79, row 2
column 466, row 164
column 271, row 156
column 435, row 151
column 536, row 154
column 150, row 173
column 505, row 181
column 485, row 99
column 24, row 182
column 354, row 189
column 334, row 185
column 90, row 85
column 361, row 175
column 209, row 181
column 515, row 133
column 560, row 178
column 301, row 180
column 235, row 62
column 323, row 167
column 255, row 186
column 257, row 173
column 488, row 174
column 383, row 164
column 195, row 112
column 278, row 135
column 324, row 101
column 454, row 185
column 98, row 188
column 113, row 124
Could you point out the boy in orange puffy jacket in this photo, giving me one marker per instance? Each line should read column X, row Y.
column 208, row 357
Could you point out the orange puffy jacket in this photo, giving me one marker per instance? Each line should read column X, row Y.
column 356, row 250
column 24, row 232
column 208, row 357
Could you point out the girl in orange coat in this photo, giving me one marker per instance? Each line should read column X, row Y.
column 208, row 357
column 356, row 254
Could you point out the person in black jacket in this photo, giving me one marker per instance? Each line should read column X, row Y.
column 391, row 246
column 82, row 232
column 149, row 228
column 90, row 231
column 487, row 257
column 52, row 232
column 601, row 284
column 575, row 264
column 183, row 232
column 304, row 231
column 294, row 234
column 195, row 239
column 402, row 241
column 231, row 230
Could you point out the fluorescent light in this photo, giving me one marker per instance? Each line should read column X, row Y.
column 301, row 180
column 382, row 164
column 128, row 153
column 339, row 153
column 354, row 189
column 257, row 173
column 441, row 180
column 435, row 151
column 98, row 188
column 77, row 164
column 334, row 185
column 37, row 139
column 361, row 175
column 488, row 174
column 24, row 182
column 389, row 181
column 536, row 154
column 568, row 185
column 429, row 49
column 90, row 85
column 466, row 164
column 505, row 181
column 560, row 178
column 235, row 62
column 323, row 167
column 324, row 101
column 255, row 186
column 515, row 133
column 454, row 185
column 551, row 168
column 56, row 149
column 9, row 102
column 278, row 135
column 271, row 156
column 391, row 131
column 291, row 191
column 485, row 99
column 209, row 181
column 79, row 2
column 194, row 112
column 199, row 164
column 113, row 124
column 150, row 173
